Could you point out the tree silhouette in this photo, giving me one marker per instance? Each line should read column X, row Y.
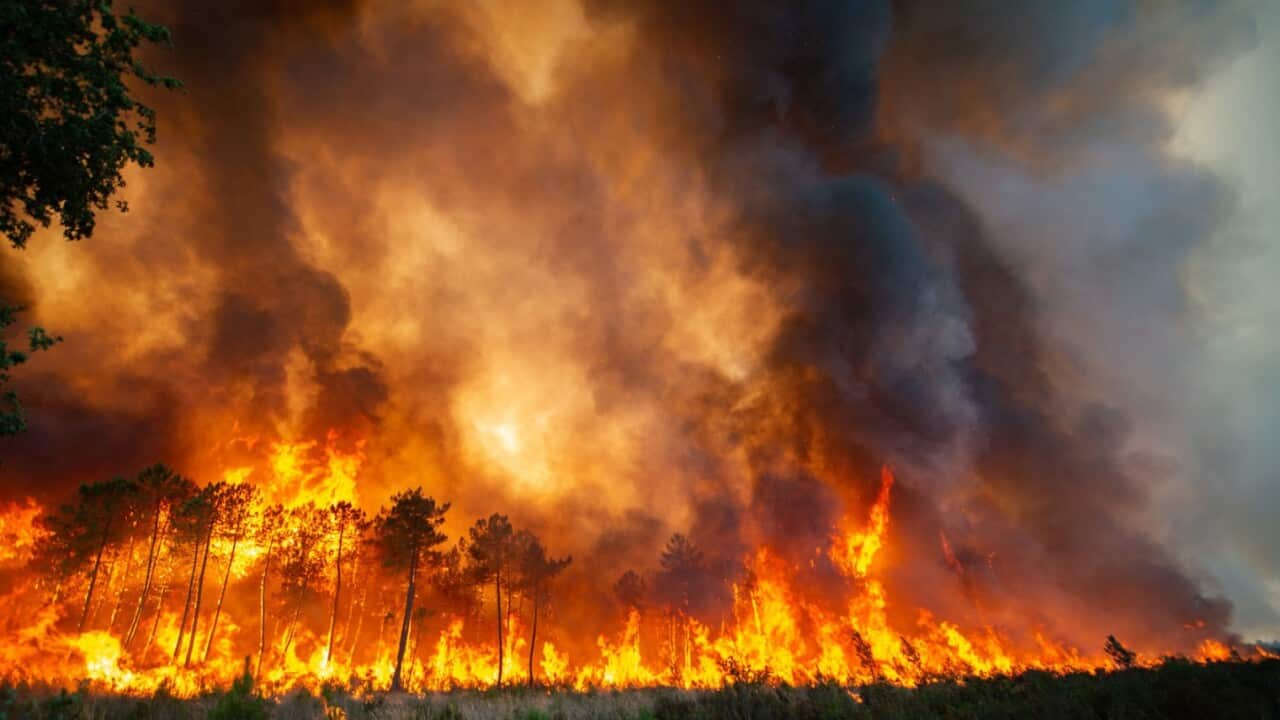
column 99, row 519
column 682, row 566
column 235, row 506
column 196, row 520
column 54, row 556
column 131, row 518
column 631, row 590
column 491, row 550
column 677, row 584
column 1123, row 657
column 302, row 566
column 268, row 534
column 12, row 418
column 536, row 572
column 71, row 122
column 345, row 520
column 364, row 548
column 161, row 491
column 407, row 534
column 454, row 583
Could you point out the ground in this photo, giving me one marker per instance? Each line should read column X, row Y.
column 1174, row 689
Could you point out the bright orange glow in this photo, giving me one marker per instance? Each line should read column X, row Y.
column 777, row 632
column 18, row 531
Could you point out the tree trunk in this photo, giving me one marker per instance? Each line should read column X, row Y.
column 155, row 624
column 262, row 608
column 337, row 591
column 497, row 586
column 195, row 615
column 93, row 575
column 124, row 583
column 186, row 603
column 382, row 631
column 152, row 556
column 359, row 618
column 222, row 595
column 293, row 627
column 106, row 582
column 397, row 684
column 533, row 633
column 419, row 627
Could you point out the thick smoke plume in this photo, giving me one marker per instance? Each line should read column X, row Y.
column 624, row 269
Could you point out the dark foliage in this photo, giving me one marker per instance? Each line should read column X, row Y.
column 71, row 123
column 1177, row 689
column 12, row 419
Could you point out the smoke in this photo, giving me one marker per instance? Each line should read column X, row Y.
column 672, row 267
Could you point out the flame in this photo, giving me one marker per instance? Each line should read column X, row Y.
column 858, row 548
column 306, row 472
column 18, row 531
column 1213, row 650
column 777, row 631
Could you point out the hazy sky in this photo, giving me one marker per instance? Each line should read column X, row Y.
column 1152, row 259
column 1233, row 127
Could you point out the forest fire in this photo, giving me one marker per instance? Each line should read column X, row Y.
column 599, row 344
column 116, row 585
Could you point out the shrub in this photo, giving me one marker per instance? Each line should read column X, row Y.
column 240, row 702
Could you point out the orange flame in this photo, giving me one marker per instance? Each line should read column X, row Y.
column 776, row 632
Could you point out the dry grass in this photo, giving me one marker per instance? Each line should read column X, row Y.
column 1174, row 689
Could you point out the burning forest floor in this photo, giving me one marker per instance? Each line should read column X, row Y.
column 94, row 576
column 1175, row 688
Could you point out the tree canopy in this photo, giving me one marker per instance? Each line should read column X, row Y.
column 71, row 123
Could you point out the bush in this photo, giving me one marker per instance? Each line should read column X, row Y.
column 1177, row 689
column 240, row 702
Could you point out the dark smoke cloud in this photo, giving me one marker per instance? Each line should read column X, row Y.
column 905, row 336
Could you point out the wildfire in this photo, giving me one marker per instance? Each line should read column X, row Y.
column 776, row 630
column 18, row 531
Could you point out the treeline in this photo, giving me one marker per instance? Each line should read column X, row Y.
column 127, row 551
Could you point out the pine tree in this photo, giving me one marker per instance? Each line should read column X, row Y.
column 407, row 534
column 491, row 551
column 536, row 572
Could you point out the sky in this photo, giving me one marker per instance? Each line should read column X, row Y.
column 1151, row 253
column 1233, row 126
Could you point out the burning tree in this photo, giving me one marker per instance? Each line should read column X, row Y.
column 161, row 492
column 491, row 551
column 631, row 591
column 269, row 533
column 678, row 585
column 536, row 572
column 78, row 536
column 345, row 522
column 236, row 503
column 454, row 585
column 302, row 567
column 407, row 534
column 199, row 516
